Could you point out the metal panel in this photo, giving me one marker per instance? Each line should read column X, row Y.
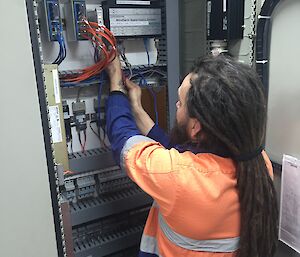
column 193, row 33
column 90, row 160
column 110, row 244
column 244, row 49
column 52, row 176
column 27, row 224
column 93, row 209
column 172, row 7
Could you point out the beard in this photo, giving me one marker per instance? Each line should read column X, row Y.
column 178, row 134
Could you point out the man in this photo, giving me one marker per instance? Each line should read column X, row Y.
column 213, row 193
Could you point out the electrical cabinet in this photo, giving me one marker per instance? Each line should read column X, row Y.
column 97, row 209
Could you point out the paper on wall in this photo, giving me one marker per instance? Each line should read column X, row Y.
column 289, row 225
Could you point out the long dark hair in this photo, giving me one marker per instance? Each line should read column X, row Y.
column 227, row 98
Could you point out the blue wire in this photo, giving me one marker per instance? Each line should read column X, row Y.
column 143, row 82
column 146, row 48
column 58, row 57
column 91, row 80
column 63, row 43
column 62, row 47
column 99, row 99
column 78, row 84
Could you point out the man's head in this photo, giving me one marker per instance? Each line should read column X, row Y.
column 185, row 128
column 220, row 104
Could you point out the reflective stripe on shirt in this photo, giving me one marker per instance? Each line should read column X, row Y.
column 226, row 245
column 149, row 245
column 131, row 142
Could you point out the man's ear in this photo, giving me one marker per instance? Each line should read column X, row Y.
column 195, row 128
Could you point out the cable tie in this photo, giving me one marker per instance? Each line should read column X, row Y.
column 264, row 17
column 262, row 62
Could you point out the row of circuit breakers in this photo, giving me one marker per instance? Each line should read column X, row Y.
column 123, row 18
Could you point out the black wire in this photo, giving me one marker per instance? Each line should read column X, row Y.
column 79, row 138
column 84, row 144
column 62, row 47
column 94, row 131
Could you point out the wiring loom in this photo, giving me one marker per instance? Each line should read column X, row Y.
column 104, row 41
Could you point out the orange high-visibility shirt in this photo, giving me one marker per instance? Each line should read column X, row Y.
column 196, row 210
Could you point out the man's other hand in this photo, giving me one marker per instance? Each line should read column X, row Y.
column 135, row 94
column 114, row 73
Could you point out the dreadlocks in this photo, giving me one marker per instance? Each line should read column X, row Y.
column 228, row 100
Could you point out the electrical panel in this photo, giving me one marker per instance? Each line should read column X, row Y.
column 225, row 19
column 103, row 212
column 133, row 18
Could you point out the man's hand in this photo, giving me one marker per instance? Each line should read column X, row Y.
column 134, row 94
column 142, row 119
column 114, row 73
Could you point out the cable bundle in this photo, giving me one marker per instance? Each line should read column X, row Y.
column 62, row 47
column 105, row 43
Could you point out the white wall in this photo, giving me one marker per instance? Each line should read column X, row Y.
column 284, row 106
column 26, row 219
column 283, row 131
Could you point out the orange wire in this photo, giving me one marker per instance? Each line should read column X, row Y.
column 95, row 33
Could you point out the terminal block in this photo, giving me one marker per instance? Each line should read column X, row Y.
column 80, row 119
column 70, row 190
column 86, row 187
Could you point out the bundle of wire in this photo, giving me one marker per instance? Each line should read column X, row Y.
column 104, row 41
column 62, row 47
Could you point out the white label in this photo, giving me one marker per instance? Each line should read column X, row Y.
column 127, row 23
column 55, row 124
column 134, row 2
column 100, row 16
column 56, row 86
column 224, row 5
column 209, row 6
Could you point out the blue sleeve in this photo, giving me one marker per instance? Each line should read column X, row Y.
column 120, row 122
column 157, row 134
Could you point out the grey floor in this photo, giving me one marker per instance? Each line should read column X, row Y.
column 285, row 251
